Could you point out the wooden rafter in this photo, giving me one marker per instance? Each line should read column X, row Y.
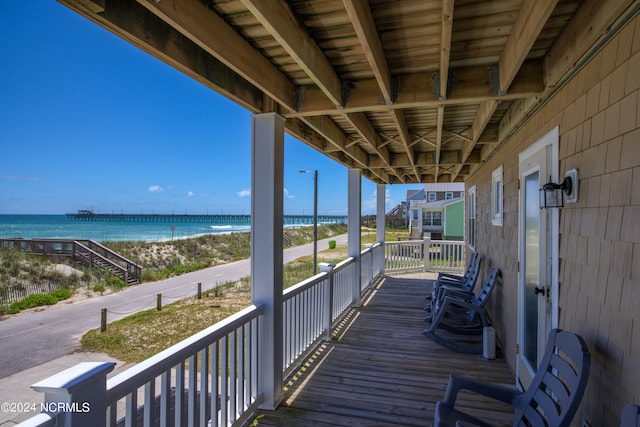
column 278, row 20
column 401, row 124
column 204, row 27
column 364, row 25
column 531, row 19
column 438, row 142
column 473, row 86
column 445, row 46
column 484, row 114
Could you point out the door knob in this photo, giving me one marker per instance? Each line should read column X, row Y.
column 539, row 291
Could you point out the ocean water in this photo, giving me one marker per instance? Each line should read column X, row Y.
column 61, row 227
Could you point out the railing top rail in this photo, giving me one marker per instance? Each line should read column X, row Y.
column 343, row 264
column 298, row 288
column 138, row 375
column 100, row 256
column 115, row 254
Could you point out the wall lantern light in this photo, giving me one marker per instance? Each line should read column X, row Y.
column 552, row 195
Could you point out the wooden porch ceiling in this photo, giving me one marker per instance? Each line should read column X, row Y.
column 407, row 90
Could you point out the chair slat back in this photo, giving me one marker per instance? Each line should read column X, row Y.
column 481, row 299
column 557, row 388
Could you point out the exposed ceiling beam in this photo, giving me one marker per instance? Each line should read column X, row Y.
column 445, row 46
column 363, row 126
column 365, row 27
column 334, row 135
column 280, row 22
column 471, row 86
column 204, row 27
column 531, row 19
column 401, row 124
column 438, row 142
column 480, row 122
column 594, row 19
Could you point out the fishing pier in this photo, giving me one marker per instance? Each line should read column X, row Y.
column 204, row 218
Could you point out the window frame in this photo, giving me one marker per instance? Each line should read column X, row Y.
column 497, row 196
column 472, row 222
column 434, row 194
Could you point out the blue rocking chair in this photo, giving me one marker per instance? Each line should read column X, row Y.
column 552, row 399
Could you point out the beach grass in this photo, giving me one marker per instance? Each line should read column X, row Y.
column 141, row 335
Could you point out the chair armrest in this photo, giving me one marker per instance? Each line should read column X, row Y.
column 451, row 277
column 454, row 293
column 452, row 282
column 495, row 391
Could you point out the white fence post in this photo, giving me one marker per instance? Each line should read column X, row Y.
column 77, row 396
column 328, row 300
column 427, row 253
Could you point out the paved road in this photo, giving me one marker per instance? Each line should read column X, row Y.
column 30, row 339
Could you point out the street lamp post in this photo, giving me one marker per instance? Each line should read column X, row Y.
column 315, row 218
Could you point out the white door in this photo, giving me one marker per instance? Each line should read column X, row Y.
column 538, row 260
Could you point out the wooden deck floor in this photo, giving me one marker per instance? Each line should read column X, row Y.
column 379, row 370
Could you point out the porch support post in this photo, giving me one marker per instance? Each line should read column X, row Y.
column 381, row 221
column 267, row 171
column 381, row 224
column 353, row 228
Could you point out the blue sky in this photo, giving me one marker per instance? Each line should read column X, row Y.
column 88, row 121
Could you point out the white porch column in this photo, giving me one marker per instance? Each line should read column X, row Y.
column 267, row 171
column 353, row 228
column 381, row 221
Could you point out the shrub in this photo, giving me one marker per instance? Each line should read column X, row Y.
column 61, row 294
column 33, row 300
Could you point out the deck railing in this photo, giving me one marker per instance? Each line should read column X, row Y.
column 88, row 252
column 407, row 256
column 211, row 378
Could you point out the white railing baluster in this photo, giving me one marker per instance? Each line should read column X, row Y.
column 204, row 387
column 165, row 398
column 149, row 403
column 178, row 403
column 240, row 351
column 215, row 384
column 233, row 371
column 131, row 411
column 224, row 381
column 191, row 391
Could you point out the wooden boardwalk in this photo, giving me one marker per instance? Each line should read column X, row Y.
column 379, row 370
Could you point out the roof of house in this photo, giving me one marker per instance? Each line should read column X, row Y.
column 408, row 91
column 442, row 203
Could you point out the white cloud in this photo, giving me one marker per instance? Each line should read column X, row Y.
column 287, row 195
column 245, row 192
column 369, row 205
column 155, row 189
column 190, row 194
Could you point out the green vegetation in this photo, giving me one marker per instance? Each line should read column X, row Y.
column 144, row 334
column 160, row 260
column 38, row 300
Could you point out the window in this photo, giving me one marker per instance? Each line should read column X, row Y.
column 496, row 197
column 431, row 196
column 471, row 222
column 448, row 195
column 432, row 218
